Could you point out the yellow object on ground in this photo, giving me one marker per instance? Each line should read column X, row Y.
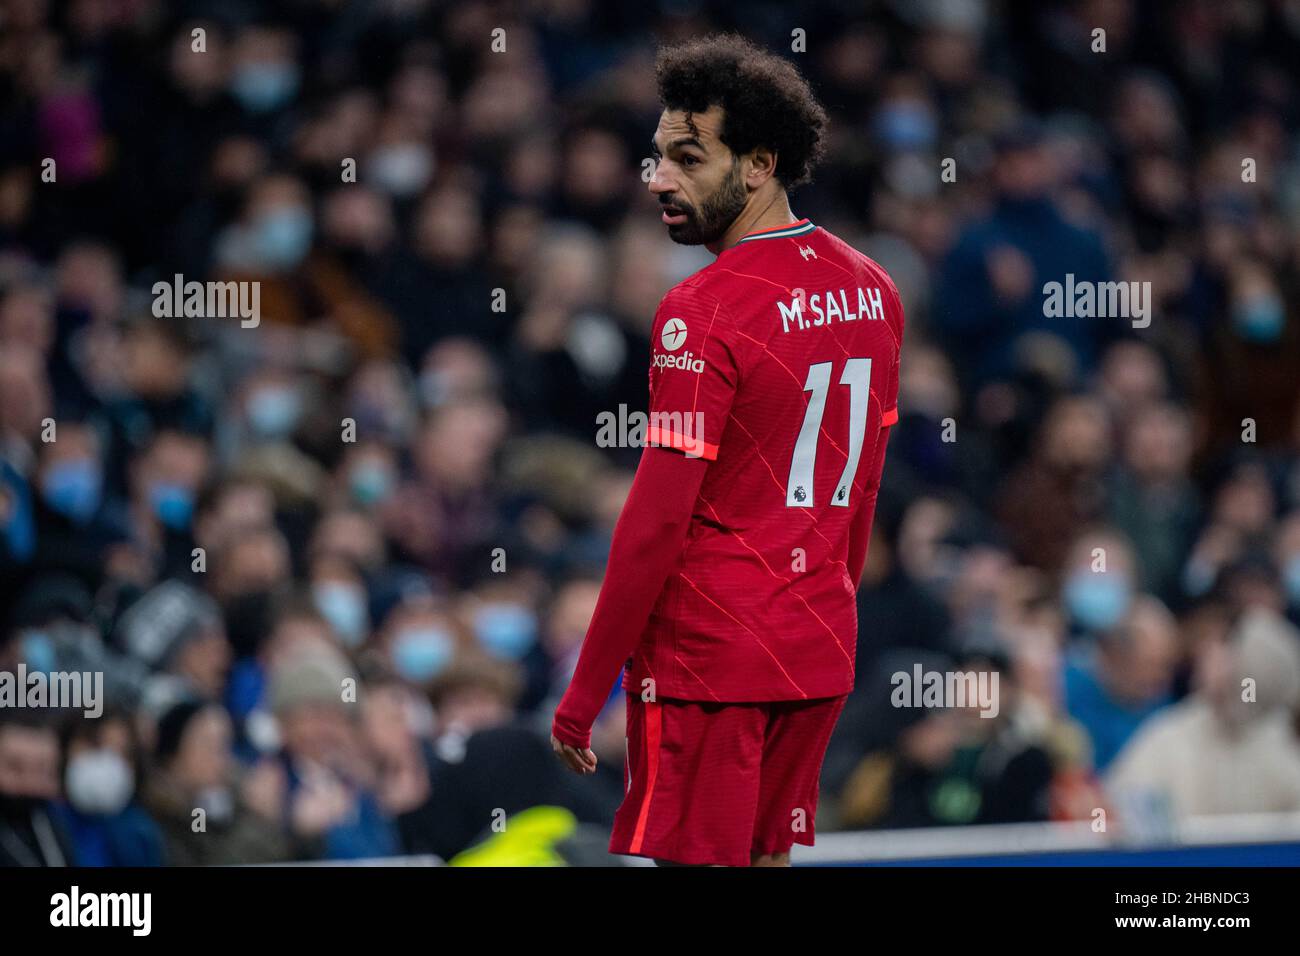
column 527, row 839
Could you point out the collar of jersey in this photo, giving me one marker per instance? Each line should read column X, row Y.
column 780, row 232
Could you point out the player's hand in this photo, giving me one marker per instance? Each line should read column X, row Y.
column 579, row 761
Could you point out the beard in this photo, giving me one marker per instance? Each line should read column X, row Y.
column 715, row 214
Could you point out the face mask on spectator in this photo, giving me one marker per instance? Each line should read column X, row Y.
column 218, row 803
column 434, row 388
column 99, row 782
column 274, row 410
column 941, row 572
column 262, row 87
column 1291, row 580
column 1198, row 577
column 282, row 236
column 38, row 652
column 344, row 606
column 420, row 653
column 73, row 488
column 506, row 630
column 402, row 169
column 1260, row 319
column 172, row 503
column 17, row 527
column 1097, row 601
column 905, row 126
column 380, row 418
column 370, row 483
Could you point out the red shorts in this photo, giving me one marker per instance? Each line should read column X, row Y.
column 714, row 783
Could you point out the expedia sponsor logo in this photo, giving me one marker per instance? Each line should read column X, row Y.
column 686, row 360
column 673, row 336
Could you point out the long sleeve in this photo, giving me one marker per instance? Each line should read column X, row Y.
column 648, row 539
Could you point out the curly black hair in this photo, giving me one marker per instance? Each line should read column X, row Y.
column 765, row 101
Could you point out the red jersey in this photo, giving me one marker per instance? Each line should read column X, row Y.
column 779, row 364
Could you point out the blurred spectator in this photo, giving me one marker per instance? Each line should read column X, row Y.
column 1098, row 581
column 894, row 611
column 1047, row 499
column 953, row 764
column 1153, row 499
column 990, row 284
column 1230, row 747
column 330, row 798
column 1113, row 687
column 178, row 632
column 29, row 785
column 102, row 769
column 53, row 629
column 209, row 811
column 477, row 749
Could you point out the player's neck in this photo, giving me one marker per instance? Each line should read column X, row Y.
column 766, row 213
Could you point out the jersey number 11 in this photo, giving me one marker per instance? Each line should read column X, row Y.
column 857, row 376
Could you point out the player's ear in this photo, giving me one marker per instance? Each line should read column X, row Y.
column 761, row 165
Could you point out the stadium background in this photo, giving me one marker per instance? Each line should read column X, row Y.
column 482, row 293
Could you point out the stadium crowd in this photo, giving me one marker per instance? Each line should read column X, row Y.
column 393, row 476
